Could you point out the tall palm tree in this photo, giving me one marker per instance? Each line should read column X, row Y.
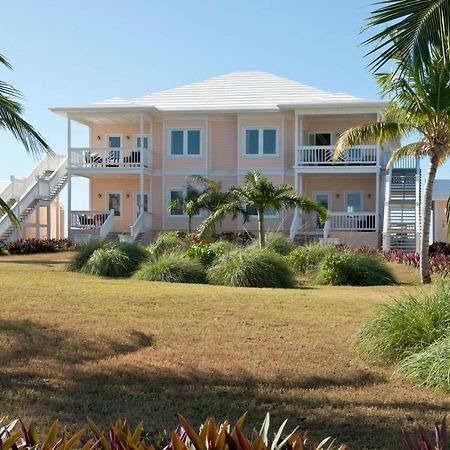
column 11, row 120
column 257, row 191
column 420, row 106
column 413, row 28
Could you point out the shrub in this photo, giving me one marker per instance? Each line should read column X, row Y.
column 277, row 242
column 240, row 239
column 305, row 258
column 251, row 267
column 109, row 261
column 429, row 367
column 353, row 269
column 166, row 242
column 205, row 253
column 406, row 326
column 28, row 246
column 83, row 254
column 173, row 268
column 135, row 252
column 439, row 248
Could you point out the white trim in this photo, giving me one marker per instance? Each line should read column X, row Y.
column 120, row 217
column 361, row 193
column 329, row 194
column 136, row 206
column 135, row 138
column 260, row 141
column 185, row 142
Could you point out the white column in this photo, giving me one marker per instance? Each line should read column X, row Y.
column 142, row 149
column 69, row 176
column 49, row 221
column 377, row 201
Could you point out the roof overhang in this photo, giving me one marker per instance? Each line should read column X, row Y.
column 354, row 106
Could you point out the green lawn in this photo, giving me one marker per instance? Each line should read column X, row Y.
column 74, row 345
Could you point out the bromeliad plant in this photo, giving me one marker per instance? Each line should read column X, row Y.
column 425, row 442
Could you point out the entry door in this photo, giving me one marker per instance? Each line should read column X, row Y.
column 137, row 203
column 323, row 199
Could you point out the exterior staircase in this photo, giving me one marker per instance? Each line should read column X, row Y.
column 40, row 188
column 401, row 225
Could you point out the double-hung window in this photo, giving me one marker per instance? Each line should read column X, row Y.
column 261, row 141
column 138, row 141
column 185, row 142
column 251, row 211
column 176, row 200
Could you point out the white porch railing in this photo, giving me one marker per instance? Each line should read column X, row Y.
column 110, row 158
column 363, row 155
column 344, row 221
column 88, row 220
column 107, row 225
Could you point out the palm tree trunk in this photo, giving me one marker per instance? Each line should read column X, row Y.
column 262, row 236
column 426, row 218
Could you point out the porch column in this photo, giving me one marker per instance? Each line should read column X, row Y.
column 69, row 176
column 142, row 149
column 49, row 221
column 377, row 201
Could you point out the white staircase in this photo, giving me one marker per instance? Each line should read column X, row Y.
column 401, row 225
column 39, row 188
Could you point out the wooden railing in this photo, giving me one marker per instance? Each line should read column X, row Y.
column 363, row 155
column 111, row 158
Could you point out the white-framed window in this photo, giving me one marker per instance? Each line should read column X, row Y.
column 185, row 142
column 137, row 140
column 114, row 200
column 353, row 202
column 260, row 141
column 268, row 213
column 137, row 203
column 323, row 199
column 177, row 200
column 320, row 138
column 113, row 140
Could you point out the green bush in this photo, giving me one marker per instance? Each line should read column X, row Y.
column 251, row 267
column 308, row 257
column 166, row 242
column 429, row 367
column 136, row 253
column 173, row 268
column 409, row 325
column 205, row 253
column 110, row 261
column 277, row 242
column 81, row 257
column 353, row 269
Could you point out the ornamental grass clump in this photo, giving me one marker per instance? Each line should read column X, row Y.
column 173, row 268
column 165, row 243
column 306, row 258
column 278, row 243
column 429, row 367
column 136, row 253
column 251, row 267
column 407, row 326
column 110, row 261
column 353, row 269
column 81, row 257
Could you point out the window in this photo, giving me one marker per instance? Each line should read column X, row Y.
column 251, row 211
column 177, row 202
column 261, row 141
column 319, row 139
column 114, row 202
column 323, row 199
column 185, row 142
column 138, row 203
column 353, row 202
column 114, row 141
column 138, row 142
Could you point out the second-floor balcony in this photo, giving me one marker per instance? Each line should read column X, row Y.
column 109, row 158
column 316, row 155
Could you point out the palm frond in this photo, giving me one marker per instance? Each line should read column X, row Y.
column 414, row 150
column 4, row 61
column 7, row 210
column 232, row 208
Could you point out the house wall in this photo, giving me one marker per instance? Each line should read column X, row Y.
column 439, row 222
column 28, row 229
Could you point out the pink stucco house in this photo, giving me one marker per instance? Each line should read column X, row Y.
column 141, row 150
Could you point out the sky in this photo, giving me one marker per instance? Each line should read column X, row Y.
column 74, row 52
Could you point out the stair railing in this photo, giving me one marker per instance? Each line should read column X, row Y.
column 107, row 225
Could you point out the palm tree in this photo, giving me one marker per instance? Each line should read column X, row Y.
column 11, row 120
column 189, row 203
column 259, row 193
column 420, row 106
column 414, row 27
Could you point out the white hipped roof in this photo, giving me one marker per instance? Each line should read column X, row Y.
column 441, row 190
column 237, row 91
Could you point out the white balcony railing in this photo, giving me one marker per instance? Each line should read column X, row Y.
column 88, row 220
column 313, row 155
column 345, row 221
column 110, row 158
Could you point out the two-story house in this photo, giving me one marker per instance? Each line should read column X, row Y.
column 141, row 150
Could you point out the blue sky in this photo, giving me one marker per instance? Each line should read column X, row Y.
column 75, row 52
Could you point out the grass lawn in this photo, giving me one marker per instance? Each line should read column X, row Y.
column 73, row 345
